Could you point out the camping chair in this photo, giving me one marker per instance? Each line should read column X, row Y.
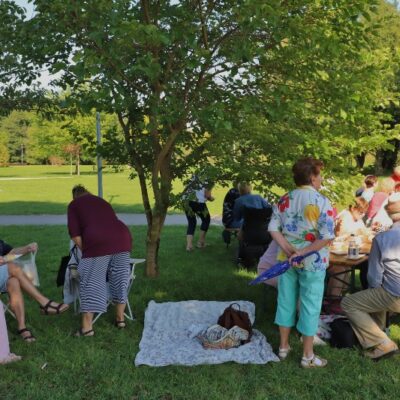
column 6, row 305
column 255, row 236
column 128, row 311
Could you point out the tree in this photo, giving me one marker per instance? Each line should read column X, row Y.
column 191, row 81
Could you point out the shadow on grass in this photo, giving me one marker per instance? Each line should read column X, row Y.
column 45, row 207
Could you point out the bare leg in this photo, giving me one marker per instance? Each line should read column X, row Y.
column 202, row 239
column 16, row 301
column 17, row 273
column 119, row 310
column 308, row 346
column 87, row 321
column 284, row 332
column 189, row 242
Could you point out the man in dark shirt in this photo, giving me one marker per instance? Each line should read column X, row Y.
column 13, row 280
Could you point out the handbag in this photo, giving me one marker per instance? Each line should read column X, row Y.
column 235, row 317
column 64, row 264
column 342, row 334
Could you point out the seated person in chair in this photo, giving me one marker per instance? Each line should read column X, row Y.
column 367, row 309
column 246, row 200
column 13, row 280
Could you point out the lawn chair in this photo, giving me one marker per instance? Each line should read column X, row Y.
column 6, row 305
column 255, row 236
column 74, row 287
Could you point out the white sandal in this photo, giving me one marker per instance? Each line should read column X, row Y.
column 283, row 353
column 314, row 362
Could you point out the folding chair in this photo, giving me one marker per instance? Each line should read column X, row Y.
column 255, row 236
column 6, row 305
column 128, row 311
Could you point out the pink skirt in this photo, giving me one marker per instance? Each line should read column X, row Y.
column 5, row 355
column 267, row 260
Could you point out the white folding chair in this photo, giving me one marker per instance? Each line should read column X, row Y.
column 128, row 310
column 6, row 305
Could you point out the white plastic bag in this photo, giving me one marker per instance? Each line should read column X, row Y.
column 28, row 264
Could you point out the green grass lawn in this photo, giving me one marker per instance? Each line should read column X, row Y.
column 102, row 367
column 41, row 189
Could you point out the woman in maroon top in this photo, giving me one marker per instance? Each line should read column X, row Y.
column 106, row 244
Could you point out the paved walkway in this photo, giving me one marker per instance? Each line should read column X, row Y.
column 129, row 219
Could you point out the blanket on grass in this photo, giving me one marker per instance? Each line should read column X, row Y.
column 170, row 330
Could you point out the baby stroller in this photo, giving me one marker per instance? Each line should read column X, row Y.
column 255, row 236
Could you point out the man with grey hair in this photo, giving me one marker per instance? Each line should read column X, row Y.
column 367, row 309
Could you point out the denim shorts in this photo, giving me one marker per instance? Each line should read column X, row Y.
column 3, row 277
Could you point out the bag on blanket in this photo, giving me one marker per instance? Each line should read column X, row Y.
column 235, row 317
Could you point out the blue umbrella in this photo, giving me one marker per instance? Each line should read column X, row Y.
column 281, row 267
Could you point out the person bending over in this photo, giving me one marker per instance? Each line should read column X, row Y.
column 106, row 243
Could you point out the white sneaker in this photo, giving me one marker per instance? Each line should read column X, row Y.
column 314, row 362
column 283, row 353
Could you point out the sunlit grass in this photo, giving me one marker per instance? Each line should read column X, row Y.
column 102, row 367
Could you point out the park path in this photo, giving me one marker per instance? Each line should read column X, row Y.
column 129, row 219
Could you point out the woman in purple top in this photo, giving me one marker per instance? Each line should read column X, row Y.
column 106, row 244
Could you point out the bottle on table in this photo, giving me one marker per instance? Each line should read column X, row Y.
column 354, row 249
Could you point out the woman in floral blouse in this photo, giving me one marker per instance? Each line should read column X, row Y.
column 302, row 222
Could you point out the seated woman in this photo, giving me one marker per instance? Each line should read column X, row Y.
column 13, row 280
column 5, row 355
column 348, row 222
column 386, row 187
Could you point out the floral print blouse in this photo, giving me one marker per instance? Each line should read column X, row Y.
column 303, row 216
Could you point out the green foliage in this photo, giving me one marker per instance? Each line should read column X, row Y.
column 231, row 89
column 4, row 154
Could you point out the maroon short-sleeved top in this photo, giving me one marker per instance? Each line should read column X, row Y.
column 95, row 221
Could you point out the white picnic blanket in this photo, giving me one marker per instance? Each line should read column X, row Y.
column 170, row 329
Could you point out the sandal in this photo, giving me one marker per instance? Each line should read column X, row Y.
column 50, row 309
column 120, row 324
column 283, row 353
column 29, row 338
column 200, row 245
column 81, row 333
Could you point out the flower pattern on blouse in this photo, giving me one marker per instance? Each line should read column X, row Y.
column 303, row 216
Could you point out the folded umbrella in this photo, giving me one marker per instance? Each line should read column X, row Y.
column 281, row 267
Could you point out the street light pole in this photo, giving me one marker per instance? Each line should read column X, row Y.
column 99, row 160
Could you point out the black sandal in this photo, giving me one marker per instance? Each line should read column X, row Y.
column 81, row 333
column 45, row 309
column 30, row 338
column 120, row 324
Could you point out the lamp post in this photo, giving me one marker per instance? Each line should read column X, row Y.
column 99, row 160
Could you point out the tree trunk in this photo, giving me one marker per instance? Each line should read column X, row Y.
column 153, row 243
column 378, row 162
column 360, row 160
column 78, row 165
